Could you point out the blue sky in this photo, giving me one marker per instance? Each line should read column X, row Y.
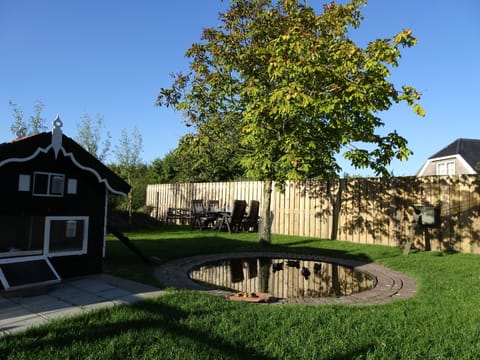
column 112, row 56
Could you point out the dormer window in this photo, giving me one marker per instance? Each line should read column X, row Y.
column 445, row 168
column 48, row 184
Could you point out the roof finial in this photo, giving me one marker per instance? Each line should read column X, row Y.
column 57, row 135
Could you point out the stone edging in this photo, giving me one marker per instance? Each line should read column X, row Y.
column 391, row 285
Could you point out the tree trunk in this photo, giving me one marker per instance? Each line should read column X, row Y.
column 264, row 274
column 130, row 207
column 336, row 201
column 265, row 232
column 130, row 198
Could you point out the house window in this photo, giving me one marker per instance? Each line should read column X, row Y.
column 66, row 235
column 48, row 184
column 23, row 182
column 445, row 168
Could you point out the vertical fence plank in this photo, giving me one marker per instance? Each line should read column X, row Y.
column 287, row 210
column 281, row 214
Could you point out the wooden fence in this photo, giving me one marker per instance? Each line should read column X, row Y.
column 369, row 211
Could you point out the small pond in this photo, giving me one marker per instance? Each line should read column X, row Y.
column 282, row 277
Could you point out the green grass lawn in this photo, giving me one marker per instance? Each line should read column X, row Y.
column 441, row 322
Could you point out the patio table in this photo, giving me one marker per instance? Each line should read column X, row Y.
column 222, row 219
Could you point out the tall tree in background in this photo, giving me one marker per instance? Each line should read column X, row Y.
column 295, row 89
column 36, row 123
column 92, row 137
column 18, row 126
column 128, row 153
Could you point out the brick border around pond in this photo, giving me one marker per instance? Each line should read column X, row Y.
column 391, row 285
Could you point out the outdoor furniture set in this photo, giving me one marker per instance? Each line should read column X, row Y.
column 174, row 214
column 213, row 218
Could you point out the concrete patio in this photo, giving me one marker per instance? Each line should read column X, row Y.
column 21, row 310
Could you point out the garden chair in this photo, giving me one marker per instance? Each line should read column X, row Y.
column 212, row 214
column 234, row 220
column 213, row 206
column 198, row 213
column 250, row 221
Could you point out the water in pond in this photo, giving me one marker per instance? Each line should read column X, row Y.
column 281, row 277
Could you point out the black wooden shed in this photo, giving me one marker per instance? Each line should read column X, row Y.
column 53, row 212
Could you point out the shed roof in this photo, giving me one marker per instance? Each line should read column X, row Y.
column 469, row 149
column 27, row 148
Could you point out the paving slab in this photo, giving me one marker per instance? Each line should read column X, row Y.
column 23, row 309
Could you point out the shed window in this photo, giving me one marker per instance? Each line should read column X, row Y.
column 56, row 187
column 66, row 235
column 72, row 186
column 47, row 184
column 23, row 182
column 21, row 235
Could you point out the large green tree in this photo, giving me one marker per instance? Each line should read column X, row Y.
column 296, row 89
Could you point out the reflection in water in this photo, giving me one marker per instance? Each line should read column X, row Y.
column 282, row 278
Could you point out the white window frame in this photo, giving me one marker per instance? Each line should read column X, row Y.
column 6, row 284
column 51, row 176
column 67, row 219
column 447, row 164
column 13, row 254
